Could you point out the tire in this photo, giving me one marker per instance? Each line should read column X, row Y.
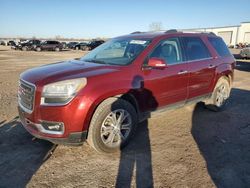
column 24, row 48
column 77, row 48
column 38, row 49
column 57, row 49
column 103, row 135
column 85, row 48
column 220, row 95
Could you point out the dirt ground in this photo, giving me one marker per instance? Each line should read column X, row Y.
column 187, row 147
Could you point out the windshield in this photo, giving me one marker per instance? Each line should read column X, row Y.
column 117, row 51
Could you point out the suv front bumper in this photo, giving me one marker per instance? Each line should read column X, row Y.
column 36, row 129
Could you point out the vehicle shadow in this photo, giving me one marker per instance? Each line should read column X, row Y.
column 243, row 66
column 223, row 139
column 136, row 156
column 20, row 154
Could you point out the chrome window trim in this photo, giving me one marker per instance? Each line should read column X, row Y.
column 34, row 97
column 192, row 61
column 181, row 50
column 202, row 59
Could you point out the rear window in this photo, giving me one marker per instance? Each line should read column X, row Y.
column 195, row 49
column 219, row 46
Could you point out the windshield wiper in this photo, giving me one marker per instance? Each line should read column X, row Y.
column 95, row 61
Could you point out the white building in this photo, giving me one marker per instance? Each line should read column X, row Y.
column 232, row 35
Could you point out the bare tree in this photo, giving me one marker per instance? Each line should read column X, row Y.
column 155, row 26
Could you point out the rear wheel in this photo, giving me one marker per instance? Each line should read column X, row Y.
column 38, row 49
column 57, row 49
column 220, row 95
column 112, row 125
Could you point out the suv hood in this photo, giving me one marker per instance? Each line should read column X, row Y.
column 66, row 70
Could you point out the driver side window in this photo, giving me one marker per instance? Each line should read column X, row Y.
column 169, row 50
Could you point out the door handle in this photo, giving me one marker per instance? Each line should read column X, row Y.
column 182, row 72
column 211, row 66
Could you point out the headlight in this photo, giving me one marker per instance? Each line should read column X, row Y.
column 62, row 92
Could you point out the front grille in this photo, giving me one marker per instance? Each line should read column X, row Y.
column 26, row 95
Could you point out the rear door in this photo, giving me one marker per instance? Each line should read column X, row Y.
column 52, row 45
column 201, row 66
column 168, row 86
column 46, row 45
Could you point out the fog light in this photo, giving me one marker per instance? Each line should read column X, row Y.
column 52, row 127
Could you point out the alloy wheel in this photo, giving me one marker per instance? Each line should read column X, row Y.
column 116, row 127
column 221, row 95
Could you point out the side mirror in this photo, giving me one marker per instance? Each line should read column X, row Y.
column 157, row 63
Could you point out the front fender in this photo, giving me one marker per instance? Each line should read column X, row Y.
column 98, row 92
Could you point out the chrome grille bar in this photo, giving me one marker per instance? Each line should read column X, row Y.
column 26, row 96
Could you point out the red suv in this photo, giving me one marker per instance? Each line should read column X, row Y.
column 102, row 97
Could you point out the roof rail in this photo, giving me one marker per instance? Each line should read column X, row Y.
column 201, row 32
column 176, row 31
column 136, row 32
column 212, row 33
column 171, row 31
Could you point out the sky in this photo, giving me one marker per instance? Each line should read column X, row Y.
column 110, row 18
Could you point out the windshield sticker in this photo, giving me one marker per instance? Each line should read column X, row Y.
column 138, row 42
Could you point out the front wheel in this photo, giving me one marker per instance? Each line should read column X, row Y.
column 220, row 95
column 112, row 125
column 24, row 48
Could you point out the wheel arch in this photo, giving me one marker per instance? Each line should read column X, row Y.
column 129, row 97
column 226, row 71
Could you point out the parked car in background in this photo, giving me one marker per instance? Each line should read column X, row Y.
column 88, row 45
column 102, row 96
column 64, row 45
column 71, row 45
column 93, row 44
column 81, row 46
column 245, row 52
column 11, row 43
column 2, row 43
column 49, row 45
column 28, row 45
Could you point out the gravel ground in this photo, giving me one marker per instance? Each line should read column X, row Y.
column 187, row 147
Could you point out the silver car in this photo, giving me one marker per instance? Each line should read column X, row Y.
column 245, row 52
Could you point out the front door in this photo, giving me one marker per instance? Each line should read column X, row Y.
column 169, row 85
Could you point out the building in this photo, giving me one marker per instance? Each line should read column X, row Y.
column 232, row 35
